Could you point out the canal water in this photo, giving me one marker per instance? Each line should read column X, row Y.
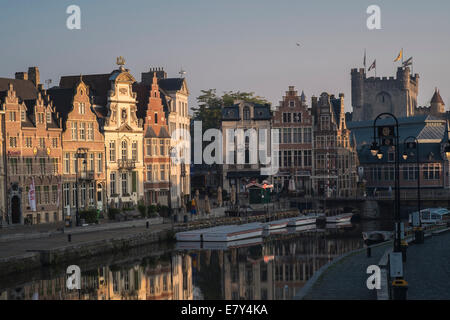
column 275, row 267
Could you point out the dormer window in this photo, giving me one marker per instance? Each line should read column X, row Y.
column 156, row 118
column 292, row 104
column 49, row 117
column 41, row 117
column 246, row 113
column 22, row 115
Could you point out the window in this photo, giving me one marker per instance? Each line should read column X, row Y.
column 41, row 142
column 42, row 165
column 134, row 151
column 82, row 108
column 156, row 118
column 74, row 131
column 161, row 147
column 92, row 162
column 163, row 172
column 112, row 182
column 297, row 135
column 297, row 158
column 29, row 165
column 55, row 143
column 292, row 104
column 149, row 173
column 297, row 117
column 46, row 194
column 324, row 123
column 124, row 184
column 66, row 193
column 112, row 151
column 307, row 136
column 67, row 163
column 12, row 116
column 287, row 158
column 74, row 194
column 13, row 166
column 90, row 131
column 38, row 195
column 99, row 163
column 246, row 113
column 83, row 195
column 409, row 172
column 28, row 142
column 82, row 131
column 13, row 142
column 389, row 173
column 431, row 172
column 91, row 194
column 49, row 117
column 55, row 165
column 22, row 115
column 41, row 117
column 148, row 147
column 124, row 150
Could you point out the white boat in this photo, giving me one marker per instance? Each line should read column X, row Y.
column 377, row 236
column 302, row 228
column 302, row 220
column 344, row 217
column 196, row 235
column 278, row 224
column 234, row 232
column 432, row 215
column 197, row 245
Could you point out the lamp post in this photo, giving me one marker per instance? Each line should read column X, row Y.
column 80, row 154
column 388, row 135
column 414, row 145
column 171, row 154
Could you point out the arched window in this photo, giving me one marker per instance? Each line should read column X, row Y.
column 246, row 113
column 124, row 150
column 156, row 118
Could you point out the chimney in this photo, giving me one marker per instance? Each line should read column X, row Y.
column 33, row 75
column 147, row 77
column 21, row 75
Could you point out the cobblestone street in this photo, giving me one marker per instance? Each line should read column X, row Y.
column 428, row 269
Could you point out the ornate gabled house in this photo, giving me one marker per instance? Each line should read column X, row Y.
column 294, row 121
column 334, row 155
column 174, row 94
column 32, row 145
column 156, row 144
column 83, row 146
column 114, row 102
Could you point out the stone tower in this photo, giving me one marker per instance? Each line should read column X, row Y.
column 437, row 106
column 372, row 96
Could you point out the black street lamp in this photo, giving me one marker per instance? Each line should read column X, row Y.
column 388, row 135
column 414, row 145
column 80, row 154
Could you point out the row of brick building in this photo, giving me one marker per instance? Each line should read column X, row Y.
column 103, row 137
column 316, row 153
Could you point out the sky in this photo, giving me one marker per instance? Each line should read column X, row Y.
column 246, row 45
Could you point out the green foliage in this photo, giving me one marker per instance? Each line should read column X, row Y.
column 209, row 109
column 163, row 211
column 90, row 216
column 142, row 210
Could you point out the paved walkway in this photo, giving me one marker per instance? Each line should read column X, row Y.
column 346, row 279
column 428, row 269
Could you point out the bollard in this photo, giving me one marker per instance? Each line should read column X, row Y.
column 369, row 252
column 399, row 289
column 69, row 237
column 147, row 224
column 404, row 246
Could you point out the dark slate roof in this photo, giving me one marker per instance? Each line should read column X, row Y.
column 231, row 113
column 422, row 127
column 99, row 85
column 261, row 112
column 163, row 133
column 62, row 100
column 336, row 107
column 150, row 133
column 437, row 97
column 25, row 89
column 171, row 84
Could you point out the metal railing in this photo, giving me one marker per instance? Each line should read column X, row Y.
column 126, row 164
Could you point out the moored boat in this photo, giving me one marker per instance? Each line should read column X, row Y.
column 344, row 217
column 302, row 220
column 432, row 215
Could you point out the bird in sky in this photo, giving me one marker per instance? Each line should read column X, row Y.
column 298, row 44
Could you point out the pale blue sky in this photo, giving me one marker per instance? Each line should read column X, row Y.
column 247, row 45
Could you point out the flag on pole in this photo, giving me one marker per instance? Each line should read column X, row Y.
column 32, row 196
column 364, row 58
column 400, row 56
column 373, row 65
column 408, row 62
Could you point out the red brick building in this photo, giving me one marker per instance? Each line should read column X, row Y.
column 295, row 122
column 32, row 132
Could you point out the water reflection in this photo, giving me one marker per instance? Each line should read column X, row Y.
column 270, row 268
